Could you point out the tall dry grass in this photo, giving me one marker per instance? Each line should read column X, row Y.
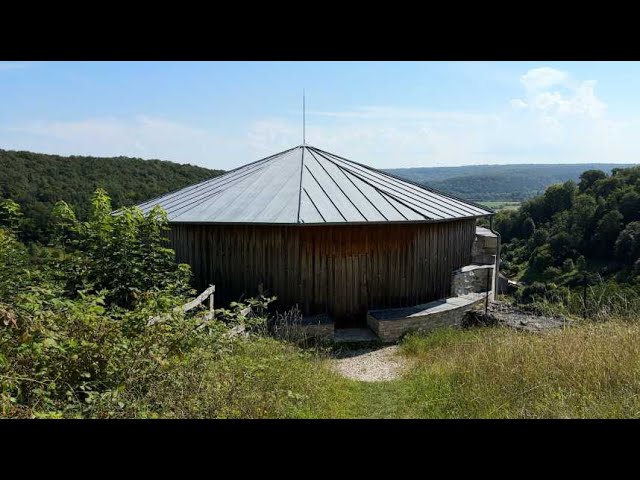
column 591, row 370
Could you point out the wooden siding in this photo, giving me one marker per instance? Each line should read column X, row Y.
column 343, row 270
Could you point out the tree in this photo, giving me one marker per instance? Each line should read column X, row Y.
column 629, row 206
column 10, row 214
column 562, row 245
column 559, row 197
column 540, row 237
column 123, row 254
column 588, row 178
column 506, row 223
column 581, row 218
column 609, row 228
column 606, row 186
column 627, row 245
column 528, row 227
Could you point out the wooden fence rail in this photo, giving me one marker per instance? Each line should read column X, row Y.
column 208, row 293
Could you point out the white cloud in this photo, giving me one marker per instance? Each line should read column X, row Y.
column 543, row 78
column 558, row 119
column 579, row 99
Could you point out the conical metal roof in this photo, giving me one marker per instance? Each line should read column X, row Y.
column 306, row 185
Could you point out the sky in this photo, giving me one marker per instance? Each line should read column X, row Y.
column 384, row 114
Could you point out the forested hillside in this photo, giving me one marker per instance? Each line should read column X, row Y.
column 37, row 181
column 575, row 232
column 498, row 182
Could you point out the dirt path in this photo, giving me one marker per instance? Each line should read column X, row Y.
column 369, row 365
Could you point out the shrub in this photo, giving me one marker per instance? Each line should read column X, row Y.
column 123, row 254
column 541, row 292
column 552, row 273
column 627, row 245
column 541, row 258
column 540, row 237
column 581, row 263
column 567, row 265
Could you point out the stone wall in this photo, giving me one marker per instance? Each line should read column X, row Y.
column 471, row 279
column 445, row 313
column 485, row 247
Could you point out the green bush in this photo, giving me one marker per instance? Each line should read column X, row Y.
column 123, row 254
column 627, row 245
column 541, row 258
column 568, row 266
column 552, row 273
column 539, row 292
column 65, row 356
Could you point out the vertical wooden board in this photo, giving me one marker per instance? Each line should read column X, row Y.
column 340, row 268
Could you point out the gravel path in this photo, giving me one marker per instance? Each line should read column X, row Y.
column 369, row 365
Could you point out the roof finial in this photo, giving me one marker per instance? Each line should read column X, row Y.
column 303, row 119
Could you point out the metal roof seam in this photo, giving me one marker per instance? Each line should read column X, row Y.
column 314, row 205
column 189, row 187
column 384, row 188
column 341, row 170
column 431, row 201
column 339, row 187
column 372, row 186
column 431, row 189
column 222, row 181
column 191, row 205
column 419, row 202
column 267, row 204
column 212, row 189
column 327, row 195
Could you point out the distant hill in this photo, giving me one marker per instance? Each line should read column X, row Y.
column 499, row 182
column 37, row 181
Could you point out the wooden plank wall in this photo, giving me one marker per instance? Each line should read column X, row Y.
column 340, row 269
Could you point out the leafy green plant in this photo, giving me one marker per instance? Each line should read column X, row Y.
column 123, row 253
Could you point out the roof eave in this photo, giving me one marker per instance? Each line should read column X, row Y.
column 302, row 224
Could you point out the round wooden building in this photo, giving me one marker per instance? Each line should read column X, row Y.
column 322, row 232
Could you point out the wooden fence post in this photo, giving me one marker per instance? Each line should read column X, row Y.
column 211, row 301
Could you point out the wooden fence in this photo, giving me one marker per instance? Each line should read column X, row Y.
column 208, row 293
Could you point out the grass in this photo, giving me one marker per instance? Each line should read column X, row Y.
column 587, row 371
column 499, row 205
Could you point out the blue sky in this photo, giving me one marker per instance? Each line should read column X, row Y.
column 385, row 114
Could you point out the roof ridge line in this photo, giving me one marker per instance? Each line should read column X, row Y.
column 300, row 186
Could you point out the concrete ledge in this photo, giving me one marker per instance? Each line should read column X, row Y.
column 392, row 323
